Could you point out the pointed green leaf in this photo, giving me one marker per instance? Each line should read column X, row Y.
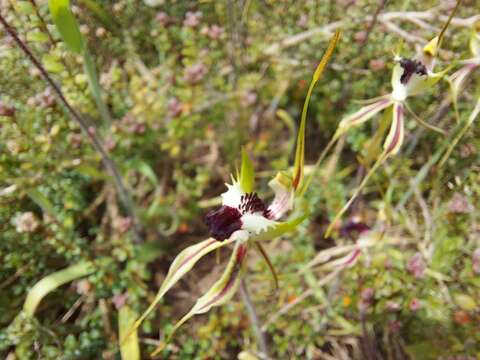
column 53, row 281
column 182, row 264
column 66, row 24
column 221, row 292
column 247, row 173
column 298, row 167
column 130, row 349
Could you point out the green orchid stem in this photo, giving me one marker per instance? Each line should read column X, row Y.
column 364, row 182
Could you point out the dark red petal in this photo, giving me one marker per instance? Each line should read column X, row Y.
column 223, row 222
column 411, row 67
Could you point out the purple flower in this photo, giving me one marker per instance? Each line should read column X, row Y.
column 416, row 265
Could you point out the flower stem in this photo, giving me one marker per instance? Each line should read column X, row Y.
column 252, row 313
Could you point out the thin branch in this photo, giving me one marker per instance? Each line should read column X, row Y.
column 262, row 342
column 109, row 164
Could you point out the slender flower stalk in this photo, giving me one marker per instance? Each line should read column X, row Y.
column 243, row 220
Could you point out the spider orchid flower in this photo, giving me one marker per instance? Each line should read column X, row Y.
column 243, row 220
column 410, row 77
column 458, row 78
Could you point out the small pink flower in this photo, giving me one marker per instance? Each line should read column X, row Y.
column 215, row 32
column 119, row 300
column 416, row 265
column 415, row 305
column 192, row 19
column 360, row 36
column 376, row 64
column 476, row 261
column 302, row 21
column 123, row 224
column 26, row 222
column 163, row 19
column 248, row 98
column 195, row 73
column 366, row 298
column 175, row 108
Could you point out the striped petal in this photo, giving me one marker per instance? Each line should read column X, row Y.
column 182, row 264
column 457, row 79
column 363, row 115
column 284, row 194
column 221, row 292
column 394, row 138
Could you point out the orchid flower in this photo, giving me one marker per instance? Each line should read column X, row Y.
column 243, row 220
column 410, row 77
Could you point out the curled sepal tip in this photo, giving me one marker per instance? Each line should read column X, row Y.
column 221, row 292
column 298, row 167
column 182, row 264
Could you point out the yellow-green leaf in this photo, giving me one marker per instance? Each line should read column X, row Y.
column 66, row 25
column 37, row 36
column 129, row 349
column 52, row 63
column 53, row 281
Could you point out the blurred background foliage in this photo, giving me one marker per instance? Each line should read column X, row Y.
column 187, row 83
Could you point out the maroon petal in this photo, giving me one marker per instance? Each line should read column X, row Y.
column 223, row 222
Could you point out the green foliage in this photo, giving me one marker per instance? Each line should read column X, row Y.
column 184, row 98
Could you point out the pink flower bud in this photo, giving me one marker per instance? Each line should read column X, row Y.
column 415, row 305
column 416, row 265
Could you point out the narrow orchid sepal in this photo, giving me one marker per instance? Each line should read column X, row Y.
column 458, row 78
column 182, row 264
column 394, row 139
column 298, row 172
column 247, row 173
column 220, row 292
column 282, row 202
column 364, row 114
column 474, row 43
